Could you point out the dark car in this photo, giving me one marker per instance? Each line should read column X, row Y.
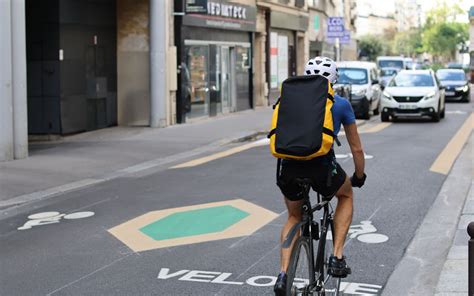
column 456, row 84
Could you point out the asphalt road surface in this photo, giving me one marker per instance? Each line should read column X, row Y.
column 228, row 244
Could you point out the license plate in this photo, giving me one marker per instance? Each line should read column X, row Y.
column 449, row 93
column 408, row 106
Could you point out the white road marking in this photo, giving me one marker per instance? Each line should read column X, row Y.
column 46, row 218
column 456, row 112
column 349, row 155
column 373, row 238
column 222, row 278
column 43, row 215
column 79, row 215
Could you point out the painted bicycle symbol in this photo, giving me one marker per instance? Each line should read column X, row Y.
column 364, row 232
column 45, row 218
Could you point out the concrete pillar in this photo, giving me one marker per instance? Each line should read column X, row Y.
column 158, row 70
column 20, row 113
column 6, row 104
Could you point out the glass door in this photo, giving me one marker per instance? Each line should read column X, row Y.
column 197, row 73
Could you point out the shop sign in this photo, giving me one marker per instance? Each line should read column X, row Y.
column 223, row 14
column 196, row 6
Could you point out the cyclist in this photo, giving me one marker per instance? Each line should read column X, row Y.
column 319, row 170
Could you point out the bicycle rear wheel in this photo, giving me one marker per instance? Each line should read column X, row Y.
column 331, row 284
column 300, row 270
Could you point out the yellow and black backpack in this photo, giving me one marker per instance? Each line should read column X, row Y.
column 302, row 125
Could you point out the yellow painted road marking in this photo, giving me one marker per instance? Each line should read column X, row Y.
column 376, row 128
column 222, row 154
column 445, row 160
column 129, row 232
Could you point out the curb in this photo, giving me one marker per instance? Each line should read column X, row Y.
column 419, row 270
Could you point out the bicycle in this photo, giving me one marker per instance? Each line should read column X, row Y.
column 307, row 275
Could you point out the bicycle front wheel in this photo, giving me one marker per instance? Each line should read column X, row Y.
column 300, row 270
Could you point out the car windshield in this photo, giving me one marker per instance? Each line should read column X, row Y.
column 388, row 72
column 450, row 75
column 391, row 64
column 352, row 76
column 412, row 80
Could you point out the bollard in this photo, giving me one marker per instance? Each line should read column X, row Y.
column 470, row 231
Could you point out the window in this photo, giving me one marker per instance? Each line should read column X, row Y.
column 412, row 80
column 352, row 76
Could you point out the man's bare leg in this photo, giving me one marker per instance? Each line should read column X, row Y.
column 342, row 217
column 294, row 217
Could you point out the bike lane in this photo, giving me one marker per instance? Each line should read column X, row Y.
column 81, row 257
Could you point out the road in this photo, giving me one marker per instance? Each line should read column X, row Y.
column 132, row 239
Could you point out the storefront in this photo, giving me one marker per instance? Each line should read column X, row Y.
column 286, row 42
column 216, row 60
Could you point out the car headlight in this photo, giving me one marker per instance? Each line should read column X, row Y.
column 462, row 88
column 430, row 95
column 359, row 93
column 387, row 95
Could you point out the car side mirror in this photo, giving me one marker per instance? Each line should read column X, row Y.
column 442, row 87
column 382, row 86
column 375, row 81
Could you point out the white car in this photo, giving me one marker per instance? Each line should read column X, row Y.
column 364, row 83
column 413, row 93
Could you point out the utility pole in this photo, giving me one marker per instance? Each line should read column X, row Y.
column 158, row 68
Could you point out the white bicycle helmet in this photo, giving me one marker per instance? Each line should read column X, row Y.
column 322, row 66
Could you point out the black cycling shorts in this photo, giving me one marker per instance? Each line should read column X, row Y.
column 318, row 170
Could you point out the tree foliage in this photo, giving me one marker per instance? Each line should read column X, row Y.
column 443, row 39
column 441, row 36
column 370, row 46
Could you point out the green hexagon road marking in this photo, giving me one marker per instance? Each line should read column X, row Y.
column 194, row 222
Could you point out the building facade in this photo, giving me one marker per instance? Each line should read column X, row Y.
column 215, row 59
column 73, row 66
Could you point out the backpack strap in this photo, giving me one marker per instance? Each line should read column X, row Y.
column 331, row 97
column 331, row 133
column 276, row 103
column 271, row 133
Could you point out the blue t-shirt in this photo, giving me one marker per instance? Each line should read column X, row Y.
column 342, row 113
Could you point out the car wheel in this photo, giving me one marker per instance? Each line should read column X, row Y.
column 443, row 113
column 467, row 99
column 384, row 117
column 366, row 114
column 436, row 116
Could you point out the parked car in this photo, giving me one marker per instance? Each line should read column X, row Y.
column 364, row 84
column 413, row 93
column 456, row 84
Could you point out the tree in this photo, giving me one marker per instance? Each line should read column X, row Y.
column 370, row 46
column 408, row 43
column 443, row 39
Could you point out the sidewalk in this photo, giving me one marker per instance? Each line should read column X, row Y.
column 454, row 276
column 436, row 261
column 88, row 158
